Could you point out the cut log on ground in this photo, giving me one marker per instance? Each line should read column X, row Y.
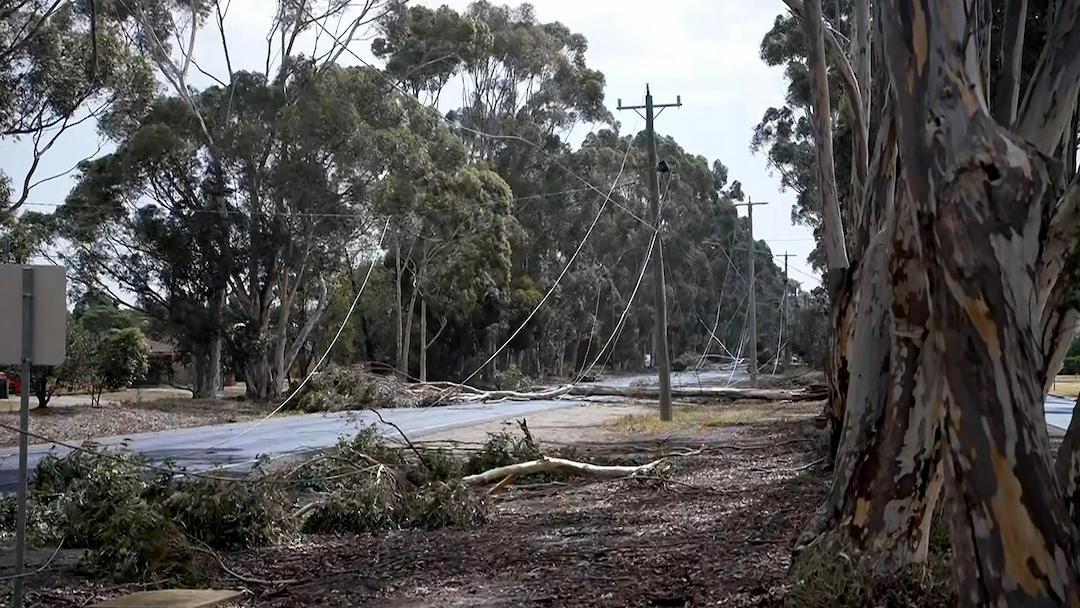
column 547, row 463
column 703, row 392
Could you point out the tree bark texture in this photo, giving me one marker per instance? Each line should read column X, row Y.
column 423, row 340
column 957, row 307
column 982, row 201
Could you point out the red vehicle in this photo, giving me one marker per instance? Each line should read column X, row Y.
column 11, row 384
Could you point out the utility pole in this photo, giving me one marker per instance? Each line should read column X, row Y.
column 752, row 310
column 785, row 352
column 663, row 364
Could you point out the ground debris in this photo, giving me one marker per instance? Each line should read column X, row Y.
column 569, row 541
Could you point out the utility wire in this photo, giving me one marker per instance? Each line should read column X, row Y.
column 322, row 359
column 550, row 290
column 617, row 331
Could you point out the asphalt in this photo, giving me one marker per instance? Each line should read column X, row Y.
column 239, row 445
column 234, row 446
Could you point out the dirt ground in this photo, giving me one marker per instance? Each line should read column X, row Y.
column 717, row 530
column 77, row 423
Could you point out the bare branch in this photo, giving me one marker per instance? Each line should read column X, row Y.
column 69, row 171
column 221, row 29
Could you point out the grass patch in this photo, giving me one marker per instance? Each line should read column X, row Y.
column 694, row 416
column 1066, row 386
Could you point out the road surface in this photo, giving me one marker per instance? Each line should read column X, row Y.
column 208, row 447
column 194, row 448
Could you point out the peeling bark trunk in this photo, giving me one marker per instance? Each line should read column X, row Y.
column 839, row 277
column 982, row 203
column 423, row 340
column 1012, row 54
column 406, row 334
column 397, row 308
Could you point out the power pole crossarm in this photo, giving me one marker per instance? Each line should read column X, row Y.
column 663, row 363
column 751, row 315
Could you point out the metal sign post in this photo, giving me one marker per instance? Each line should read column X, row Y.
column 24, row 427
column 34, row 297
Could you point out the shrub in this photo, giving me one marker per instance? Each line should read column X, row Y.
column 355, row 387
column 511, row 379
column 500, row 450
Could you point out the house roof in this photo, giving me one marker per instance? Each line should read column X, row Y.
column 161, row 348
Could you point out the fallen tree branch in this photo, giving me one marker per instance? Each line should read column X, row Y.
column 547, row 463
column 703, row 392
column 643, row 392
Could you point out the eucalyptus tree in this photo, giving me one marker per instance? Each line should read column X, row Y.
column 953, row 280
column 61, row 65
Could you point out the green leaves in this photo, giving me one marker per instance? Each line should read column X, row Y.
column 123, row 357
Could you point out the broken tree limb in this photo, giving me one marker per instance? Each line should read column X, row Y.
column 703, row 392
column 469, row 394
column 547, row 463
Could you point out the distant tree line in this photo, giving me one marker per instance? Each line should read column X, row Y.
column 240, row 219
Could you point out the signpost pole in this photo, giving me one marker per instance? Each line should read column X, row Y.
column 24, row 427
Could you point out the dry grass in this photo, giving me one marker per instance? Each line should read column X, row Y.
column 81, row 422
column 695, row 417
column 1066, row 386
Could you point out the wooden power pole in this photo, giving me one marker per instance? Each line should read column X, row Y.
column 751, row 316
column 663, row 363
column 785, row 352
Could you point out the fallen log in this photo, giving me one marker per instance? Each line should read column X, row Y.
column 472, row 395
column 516, row 395
column 548, row 463
column 702, row 392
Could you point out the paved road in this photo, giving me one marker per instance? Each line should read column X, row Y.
column 194, row 449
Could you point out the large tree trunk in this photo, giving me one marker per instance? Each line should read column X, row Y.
column 983, row 204
column 833, row 230
column 423, row 340
column 398, row 313
column 406, row 333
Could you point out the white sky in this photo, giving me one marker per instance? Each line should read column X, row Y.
column 704, row 50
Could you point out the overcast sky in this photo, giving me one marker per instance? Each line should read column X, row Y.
column 704, row 50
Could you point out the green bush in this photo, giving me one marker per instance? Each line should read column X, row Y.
column 139, row 523
column 500, row 450
column 351, row 388
column 685, row 361
column 124, row 358
column 511, row 379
